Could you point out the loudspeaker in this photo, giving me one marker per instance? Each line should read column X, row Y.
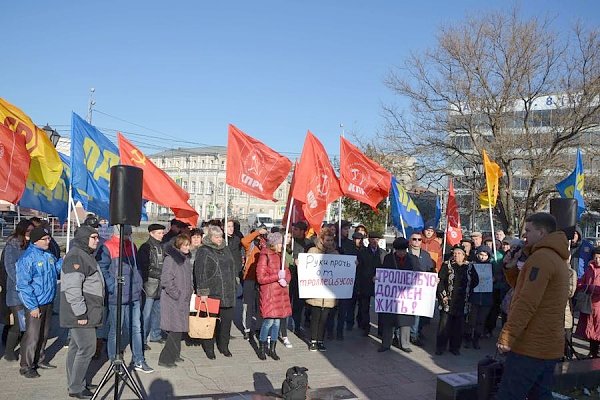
column 565, row 212
column 126, row 184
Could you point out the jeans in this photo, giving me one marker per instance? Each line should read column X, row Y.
column 131, row 330
column 270, row 327
column 151, row 315
column 414, row 330
column 526, row 377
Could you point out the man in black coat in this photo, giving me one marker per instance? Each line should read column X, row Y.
column 369, row 259
column 150, row 262
column 81, row 307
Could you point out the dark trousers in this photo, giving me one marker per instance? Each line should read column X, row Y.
column 350, row 312
column 297, row 302
column 526, row 378
column 594, row 347
column 81, row 350
column 13, row 334
column 364, row 317
column 476, row 320
column 33, row 343
column 172, row 350
column 492, row 317
column 450, row 330
column 318, row 320
column 283, row 327
column 222, row 332
column 340, row 314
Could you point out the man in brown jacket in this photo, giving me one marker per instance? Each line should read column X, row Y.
column 533, row 336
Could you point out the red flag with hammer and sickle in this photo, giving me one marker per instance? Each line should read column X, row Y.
column 159, row 187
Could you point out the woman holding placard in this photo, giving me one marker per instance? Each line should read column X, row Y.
column 481, row 300
column 274, row 299
column 456, row 283
column 320, row 308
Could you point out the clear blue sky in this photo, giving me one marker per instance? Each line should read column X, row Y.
column 188, row 68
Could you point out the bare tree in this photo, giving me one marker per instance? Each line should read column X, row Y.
column 525, row 93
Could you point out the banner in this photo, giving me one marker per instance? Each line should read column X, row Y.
column 55, row 202
column 326, row 276
column 402, row 205
column 453, row 229
column 486, row 280
column 361, row 178
column 405, row 292
column 572, row 186
column 297, row 214
column 92, row 156
column 253, row 167
column 159, row 187
column 14, row 165
column 45, row 167
column 316, row 183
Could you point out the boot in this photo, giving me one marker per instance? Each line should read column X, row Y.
column 99, row 346
column 476, row 341
column 262, row 350
column 273, row 354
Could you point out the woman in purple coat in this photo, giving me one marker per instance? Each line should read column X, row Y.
column 176, row 282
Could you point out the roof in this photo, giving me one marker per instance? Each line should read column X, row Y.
column 191, row 151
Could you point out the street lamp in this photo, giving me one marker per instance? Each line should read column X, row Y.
column 53, row 135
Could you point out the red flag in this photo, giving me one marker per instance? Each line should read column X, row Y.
column 253, row 167
column 361, row 178
column 158, row 186
column 316, row 182
column 297, row 214
column 14, row 165
column 453, row 229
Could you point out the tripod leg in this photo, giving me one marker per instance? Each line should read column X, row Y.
column 107, row 375
column 131, row 383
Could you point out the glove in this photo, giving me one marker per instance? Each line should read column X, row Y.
column 282, row 282
column 281, row 274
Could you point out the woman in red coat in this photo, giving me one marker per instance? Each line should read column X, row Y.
column 274, row 298
column 588, row 326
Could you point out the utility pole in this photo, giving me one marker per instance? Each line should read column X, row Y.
column 91, row 104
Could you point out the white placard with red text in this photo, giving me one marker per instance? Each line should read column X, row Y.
column 326, row 276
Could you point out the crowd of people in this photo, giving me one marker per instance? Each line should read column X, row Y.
column 534, row 281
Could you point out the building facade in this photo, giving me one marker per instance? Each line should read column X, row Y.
column 201, row 172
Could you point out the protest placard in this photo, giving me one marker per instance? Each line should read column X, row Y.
column 486, row 281
column 326, row 276
column 405, row 292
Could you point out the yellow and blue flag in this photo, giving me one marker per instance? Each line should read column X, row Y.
column 403, row 205
column 572, row 186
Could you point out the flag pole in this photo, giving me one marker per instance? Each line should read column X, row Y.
column 226, row 212
column 287, row 230
column 340, row 208
column 69, row 216
column 492, row 226
column 403, row 228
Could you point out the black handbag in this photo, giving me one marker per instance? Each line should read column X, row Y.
column 489, row 375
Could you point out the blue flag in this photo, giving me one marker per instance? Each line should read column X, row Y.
column 572, row 186
column 92, row 156
column 55, row 202
column 438, row 212
column 402, row 205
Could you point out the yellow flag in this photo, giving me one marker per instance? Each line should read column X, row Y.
column 492, row 178
column 46, row 166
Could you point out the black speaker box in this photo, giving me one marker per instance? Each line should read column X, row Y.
column 126, row 185
column 565, row 212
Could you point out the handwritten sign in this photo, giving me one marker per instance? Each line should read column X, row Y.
column 486, row 281
column 326, row 276
column 405, row 292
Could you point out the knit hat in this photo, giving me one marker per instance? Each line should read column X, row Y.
column 274, row 238
column 38, row 233
column 484, row 249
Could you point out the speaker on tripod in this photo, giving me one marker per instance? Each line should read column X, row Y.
column 126, row 184
column 565, row 212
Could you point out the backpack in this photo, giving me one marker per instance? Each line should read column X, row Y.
column 295, row 385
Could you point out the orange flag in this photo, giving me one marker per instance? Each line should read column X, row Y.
column 361, row 178
column 14, row 165
column 253, row 167
column 492, row 179
column 158, row 186
column 453, row 229
column 316, row 183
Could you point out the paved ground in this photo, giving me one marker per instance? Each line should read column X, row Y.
column 353, row 363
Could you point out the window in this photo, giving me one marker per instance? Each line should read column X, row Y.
column 201, row 187
column 193, row 187
column 210, row 188
column 202, row 165
column 221, row 188
column 280, row 194
column 184, row 185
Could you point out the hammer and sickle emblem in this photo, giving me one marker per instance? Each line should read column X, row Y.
column 138, row 157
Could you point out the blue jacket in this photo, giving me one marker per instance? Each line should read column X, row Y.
column 37, row 274
column 108, row 261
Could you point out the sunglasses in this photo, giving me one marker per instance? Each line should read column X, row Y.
column 416, row 239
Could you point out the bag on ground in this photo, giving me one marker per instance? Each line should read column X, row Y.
column 295, row 385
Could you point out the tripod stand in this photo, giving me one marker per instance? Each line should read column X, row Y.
column 117, row 367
